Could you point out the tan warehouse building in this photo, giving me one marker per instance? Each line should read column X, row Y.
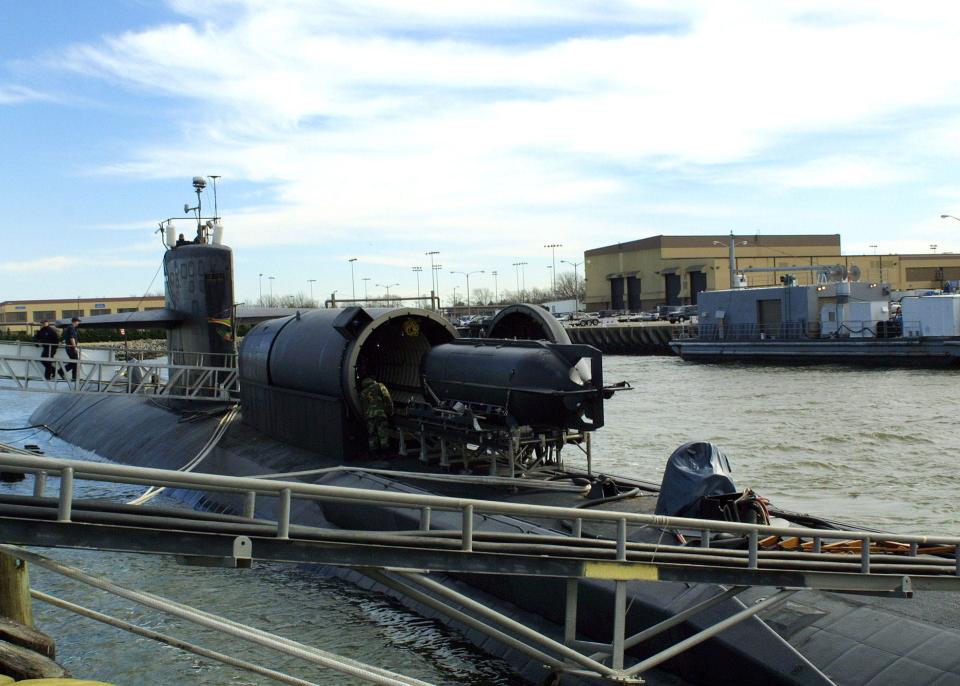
column 24, row 315
column 671, row 270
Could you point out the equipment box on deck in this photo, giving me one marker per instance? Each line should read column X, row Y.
column 931, row 315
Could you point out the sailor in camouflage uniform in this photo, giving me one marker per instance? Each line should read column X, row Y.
column 377, row 410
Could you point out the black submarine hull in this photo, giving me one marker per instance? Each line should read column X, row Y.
column 856, row 642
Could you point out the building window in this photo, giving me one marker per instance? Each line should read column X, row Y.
column 67, row 314
column 14, row 317
column 147, row 309
column 101, row 311
column 921, row 273
column 40, row 315
column 121, row 310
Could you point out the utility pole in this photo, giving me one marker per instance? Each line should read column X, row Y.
column 434, row 285
column 436, row 271
column 553, row 250
column 261, row 289
column 353, row 284
column 417, row 270
column 467, row 274
column 365, row 280
column 496, row 296
column 311, row 282
column 270, row 279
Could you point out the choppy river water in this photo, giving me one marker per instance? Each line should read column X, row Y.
column 875, row 447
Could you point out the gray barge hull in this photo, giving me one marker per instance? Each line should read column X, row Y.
column 901, row 352
column 854, row 642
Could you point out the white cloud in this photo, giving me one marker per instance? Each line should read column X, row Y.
column 420, row 121
column 11, row 94
column 836, row 172
column 41, row 265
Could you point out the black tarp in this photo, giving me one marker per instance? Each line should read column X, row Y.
column 693, row 471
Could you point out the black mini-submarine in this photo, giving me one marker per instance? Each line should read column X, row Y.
column 512, row 401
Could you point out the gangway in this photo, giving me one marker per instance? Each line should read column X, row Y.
column 882, row 564
column 154, row 378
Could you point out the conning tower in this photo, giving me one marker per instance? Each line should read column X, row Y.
column 199, row 284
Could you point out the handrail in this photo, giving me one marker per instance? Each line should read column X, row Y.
column 287, row 490
column 214, row 383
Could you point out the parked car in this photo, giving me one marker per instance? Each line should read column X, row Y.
column 583, row 319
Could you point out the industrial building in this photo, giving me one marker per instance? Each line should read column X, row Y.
column 23, row 315
column 672, row 270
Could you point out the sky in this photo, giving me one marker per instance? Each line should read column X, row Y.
column 485, row 131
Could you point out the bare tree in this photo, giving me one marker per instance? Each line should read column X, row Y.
column 481, row 296
column 289, row 300
column 570, row 286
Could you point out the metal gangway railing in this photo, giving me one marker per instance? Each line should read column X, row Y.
column 786, row 558
column 155, row 378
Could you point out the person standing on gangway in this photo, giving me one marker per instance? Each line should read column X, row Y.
column 71, row 342
column 49, row 341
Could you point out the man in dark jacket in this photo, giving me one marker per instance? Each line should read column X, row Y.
column 71, row 343
column 48, row 338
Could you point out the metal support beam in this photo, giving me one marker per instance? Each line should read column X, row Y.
column 510, row 624
column 709, row 632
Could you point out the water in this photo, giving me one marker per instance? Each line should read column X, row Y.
column 874, row 447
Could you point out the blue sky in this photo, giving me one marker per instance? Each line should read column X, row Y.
column 383, row 130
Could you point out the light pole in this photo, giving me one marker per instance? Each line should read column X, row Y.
column 553, row 249
column 732, row 257
column 467, row 274
column 311, row 282
column 365, row 280
column 496, row 296
column 434, row 286
column 261, row 289
column 523, row 277
column 436, row 277
column 270, row 279
column 353, row 284
column 388, row 286
column 576, row 284
column 874, row 249
column 516, row 273
column 417, row 270
column 933, row 247
column 949, row 216
column 553, row 282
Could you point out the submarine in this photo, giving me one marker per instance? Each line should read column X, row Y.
column 484, row 414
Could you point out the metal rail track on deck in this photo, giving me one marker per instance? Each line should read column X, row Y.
column 131, row 377
column 893, row 564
